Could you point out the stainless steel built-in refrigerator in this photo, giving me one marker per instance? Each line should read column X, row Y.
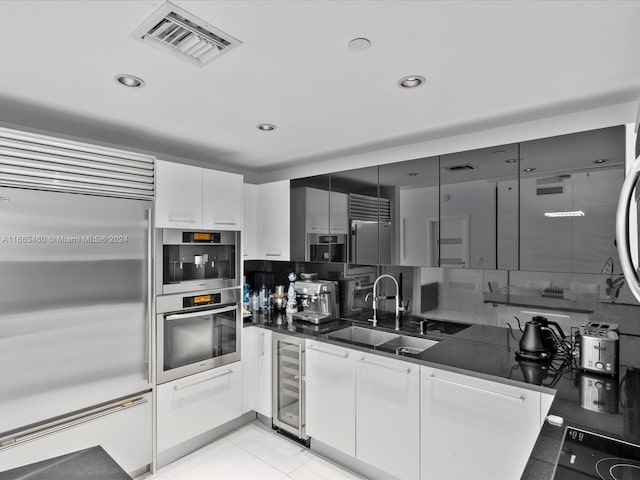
column 74, row 303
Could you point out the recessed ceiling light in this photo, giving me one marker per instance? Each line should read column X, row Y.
column 413, row 174
column 411, row 81
column 360, row 44
column 511, row 160
column 601, row 160
column 129, row 80
column 529, row 169
column 266, row 127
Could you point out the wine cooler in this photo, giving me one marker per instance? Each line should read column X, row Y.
column 288, row 385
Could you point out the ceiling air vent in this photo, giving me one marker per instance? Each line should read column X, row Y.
column 459, row 168
column 176, row 31
column 549, row 190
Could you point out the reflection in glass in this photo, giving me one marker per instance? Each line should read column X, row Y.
column 580, row 173
column 369, row 216
column 479, row 208
column 412, row 187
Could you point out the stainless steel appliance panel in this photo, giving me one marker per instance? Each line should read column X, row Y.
column 288, row 385
column 189, row 260
column 74, row 323
column 192, row 339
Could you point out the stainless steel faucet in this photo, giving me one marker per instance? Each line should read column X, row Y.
column 376, row 298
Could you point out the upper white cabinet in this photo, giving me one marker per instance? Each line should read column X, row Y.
column 178, row 195
column 474, row 428
column 222, row 195
column 250, row 221
column 331, row 396
column 317, row 210
column 193, row 197
column 387, row 415
column 267, row 232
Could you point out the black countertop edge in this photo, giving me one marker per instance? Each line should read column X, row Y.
column 445, row 342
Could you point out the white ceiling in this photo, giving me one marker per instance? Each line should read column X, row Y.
column 482, row 60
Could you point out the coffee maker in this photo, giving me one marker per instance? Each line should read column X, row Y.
column 317, row 301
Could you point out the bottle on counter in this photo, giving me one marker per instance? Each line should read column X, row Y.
column 246, row 295
column 263, row 298
column 255, row 302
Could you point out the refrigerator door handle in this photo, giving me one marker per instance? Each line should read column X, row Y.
column 150, row 290
column 622, row 229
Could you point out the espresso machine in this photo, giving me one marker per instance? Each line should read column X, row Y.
column 317, row 301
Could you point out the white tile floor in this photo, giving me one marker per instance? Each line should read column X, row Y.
column 253, row 452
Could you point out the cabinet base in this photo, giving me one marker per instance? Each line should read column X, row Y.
column 174, row 453
column 346, row 461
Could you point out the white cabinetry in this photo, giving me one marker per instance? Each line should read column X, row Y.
column 178, row 195
column 193, row 197
column 474, row 428
column 125, row 435
column 249, row 369
column 256, row 370
column 250, row 222
column 331, row 396
column 264, row 369
column 387, row 415
column 267, row 235
column 222, row 195
column 196, row 404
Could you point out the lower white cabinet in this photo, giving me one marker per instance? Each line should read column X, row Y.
column 331, row 395
column 264, row 369
column 387, row 415
column 196, row 404
column 125, row 435
column 256, row 370
column 475, row 429
column 249, row 349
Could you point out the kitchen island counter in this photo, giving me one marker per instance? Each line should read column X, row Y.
column 489, row 352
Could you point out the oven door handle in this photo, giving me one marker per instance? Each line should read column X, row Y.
column 177, row 316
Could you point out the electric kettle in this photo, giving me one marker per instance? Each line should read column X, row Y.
column 538, row 340
column 532, row 344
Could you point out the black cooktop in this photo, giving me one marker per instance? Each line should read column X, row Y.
column 586, row 455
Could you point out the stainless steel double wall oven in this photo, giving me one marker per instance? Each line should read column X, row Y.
column 198, row 309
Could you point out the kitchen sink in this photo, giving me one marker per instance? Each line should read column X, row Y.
column 362, row 336
column 404, row 345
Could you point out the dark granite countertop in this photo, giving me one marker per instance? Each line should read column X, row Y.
column 489, row 352
column 92, row 463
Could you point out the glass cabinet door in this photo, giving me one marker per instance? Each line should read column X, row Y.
column 288, row 407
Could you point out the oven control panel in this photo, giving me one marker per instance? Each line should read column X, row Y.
column 201, row 300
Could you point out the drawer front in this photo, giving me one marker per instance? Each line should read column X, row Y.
column 196, row 404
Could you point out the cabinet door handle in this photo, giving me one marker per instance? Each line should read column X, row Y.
column 519, row 399
column 181, row 220
column 220, row 222
column 388, row 367
column 273, row 254
column 341, row 355
column 188, row 385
